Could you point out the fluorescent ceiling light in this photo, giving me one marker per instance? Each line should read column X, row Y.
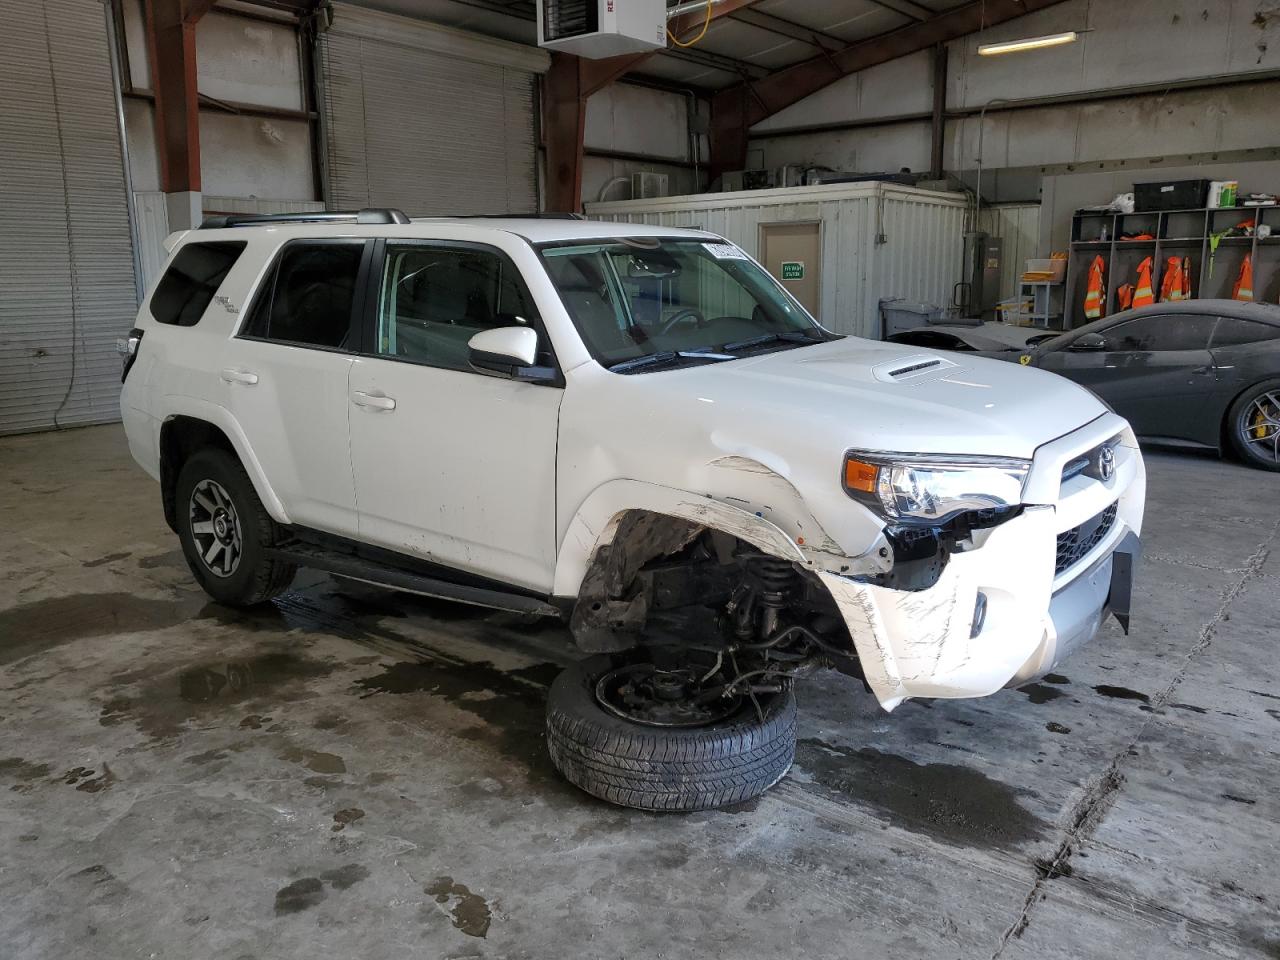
column 1031, row 43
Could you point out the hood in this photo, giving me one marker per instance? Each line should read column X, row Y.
column 885, row 396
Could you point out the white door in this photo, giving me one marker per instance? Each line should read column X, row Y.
column 289, row 377
column 451, row 465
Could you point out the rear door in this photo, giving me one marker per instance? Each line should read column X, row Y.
column 1156, row 371
column 288, row 378
column 453, row 465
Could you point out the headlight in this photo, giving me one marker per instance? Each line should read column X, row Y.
column 932, row 489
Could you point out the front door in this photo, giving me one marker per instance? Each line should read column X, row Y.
column 792, row 252
column 451, row 465
column 1155, row 370
column 288, row 382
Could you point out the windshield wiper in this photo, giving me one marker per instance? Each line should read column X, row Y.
column 789, row 336
column 661, row 359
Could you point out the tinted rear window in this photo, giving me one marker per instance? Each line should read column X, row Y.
column 1232, row 331
column 191, row 281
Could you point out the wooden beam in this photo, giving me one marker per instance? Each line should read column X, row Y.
column 735, row 110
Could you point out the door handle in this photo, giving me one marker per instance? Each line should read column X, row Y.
column 373, row 401
column 232, row 375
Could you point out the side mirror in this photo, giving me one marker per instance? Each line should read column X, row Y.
column 1089, row 342
column 509, row 352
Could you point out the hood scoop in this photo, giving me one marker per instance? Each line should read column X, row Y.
column 908, row 369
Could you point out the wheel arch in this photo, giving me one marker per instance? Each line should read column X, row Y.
column 597, row 521
column 1225, row 441
column 192, row 427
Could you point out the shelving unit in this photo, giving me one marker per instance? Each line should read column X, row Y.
column 1182, row 233
column 1045, row 297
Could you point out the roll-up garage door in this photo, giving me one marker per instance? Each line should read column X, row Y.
column 66, row 254
column 432, row 120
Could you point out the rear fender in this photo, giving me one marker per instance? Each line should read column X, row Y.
column 222, row 418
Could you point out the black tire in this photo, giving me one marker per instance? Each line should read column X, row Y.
column 1240, row 422
column 254, row 578
column 665, row 768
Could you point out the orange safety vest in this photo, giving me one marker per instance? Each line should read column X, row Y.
column 1094, row 294
column 1176, row 284
column 1124, row 296
column 1142, row 295
column 1243, row 290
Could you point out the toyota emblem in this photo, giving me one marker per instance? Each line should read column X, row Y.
column 1106, row 463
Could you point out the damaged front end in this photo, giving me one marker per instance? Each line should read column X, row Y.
column 987, row 597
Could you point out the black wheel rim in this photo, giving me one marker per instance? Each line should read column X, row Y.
column 648, row 695
column 1259, row 427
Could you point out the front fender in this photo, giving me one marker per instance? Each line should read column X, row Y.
column 596, row 520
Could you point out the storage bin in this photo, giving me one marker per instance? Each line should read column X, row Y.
column 1171, row 195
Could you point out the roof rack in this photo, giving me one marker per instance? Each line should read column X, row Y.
column 520, row 216
column 371, row 215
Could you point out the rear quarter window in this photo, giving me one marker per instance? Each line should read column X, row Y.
column 1233, row 332
column 193, row 278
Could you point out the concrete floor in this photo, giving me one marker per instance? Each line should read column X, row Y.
column 358, row 774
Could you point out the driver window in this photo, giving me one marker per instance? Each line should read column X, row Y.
column 433, row 300
column 1158, row 334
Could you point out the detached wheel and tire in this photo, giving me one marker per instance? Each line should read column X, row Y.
column 225, row 531
column 1253, row 425
column 620, row 730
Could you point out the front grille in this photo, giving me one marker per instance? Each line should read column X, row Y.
column 1075, row 544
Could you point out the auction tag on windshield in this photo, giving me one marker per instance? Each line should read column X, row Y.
column 724, row 251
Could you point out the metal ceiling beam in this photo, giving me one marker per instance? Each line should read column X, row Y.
column 735, row 110
column 788, row 28
column 717, row 61
column 907, row 9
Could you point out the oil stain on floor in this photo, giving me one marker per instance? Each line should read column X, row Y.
column 949, row 802
column 468, row 911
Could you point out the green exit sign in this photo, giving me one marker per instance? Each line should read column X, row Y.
column 793, row 270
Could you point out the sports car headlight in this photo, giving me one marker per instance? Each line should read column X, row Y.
column 932, row 489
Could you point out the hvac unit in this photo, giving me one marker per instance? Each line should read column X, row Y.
column 602, row 28
column 645, row 186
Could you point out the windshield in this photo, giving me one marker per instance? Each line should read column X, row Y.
column 643, row 302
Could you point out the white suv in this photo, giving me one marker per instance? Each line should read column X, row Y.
column 637, row 429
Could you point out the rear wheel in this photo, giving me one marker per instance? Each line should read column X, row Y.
column 634, row 732
column 1253, row 425
column 225, row 531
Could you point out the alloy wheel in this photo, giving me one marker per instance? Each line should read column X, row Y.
column 215, row 528
column 1260, row 425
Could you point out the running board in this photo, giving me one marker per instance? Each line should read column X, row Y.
column 394, row 578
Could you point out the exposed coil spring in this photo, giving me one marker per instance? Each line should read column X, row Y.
column 773, row 574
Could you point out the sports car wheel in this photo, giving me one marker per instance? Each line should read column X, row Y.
column 1253, row 425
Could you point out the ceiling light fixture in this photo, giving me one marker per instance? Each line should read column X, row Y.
column 1031, row 43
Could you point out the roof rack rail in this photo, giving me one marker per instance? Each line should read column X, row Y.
column 519, row 216
column 370, row 215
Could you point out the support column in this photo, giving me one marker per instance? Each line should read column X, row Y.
column 171, row 42
column 937, row 165
column 564, row 125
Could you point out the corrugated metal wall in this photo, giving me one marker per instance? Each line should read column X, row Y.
column 66, row 255
column 432, row 121
column 920, row 258
column 1019, row 225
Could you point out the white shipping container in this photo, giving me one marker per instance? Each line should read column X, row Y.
column 879, row 240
